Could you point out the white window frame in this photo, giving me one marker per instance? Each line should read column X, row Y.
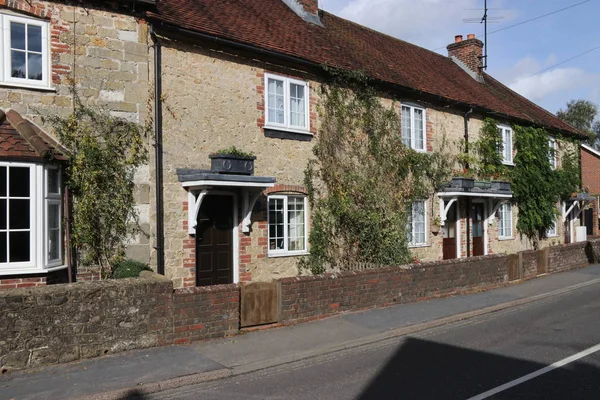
column 286, row 237
column 505, row 131
column 502, row 225
column 553, row 152
column 411, row 243
column 38, row 248
column 5, row 67
column 287, row 126
column 551, row 234
column 413, row 132
column 56, row 199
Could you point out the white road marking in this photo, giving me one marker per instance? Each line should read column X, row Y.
column 537, row 373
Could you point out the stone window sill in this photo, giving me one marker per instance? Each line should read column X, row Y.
column 288, row 135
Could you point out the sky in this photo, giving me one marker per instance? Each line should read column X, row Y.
column 514, row 53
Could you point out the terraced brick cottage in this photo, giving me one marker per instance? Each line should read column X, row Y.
column 212, row 74
column 246, row 73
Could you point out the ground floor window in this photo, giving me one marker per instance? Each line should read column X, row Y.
column 287, row 220
column 416, row 226
column 30, row 218
column 505, row 221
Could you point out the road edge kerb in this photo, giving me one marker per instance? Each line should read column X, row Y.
column 160, row 386
column 186, row 380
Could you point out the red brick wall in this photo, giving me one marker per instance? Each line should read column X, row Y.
column 25, row 281
column 529, row 259
column 590, row 171
column 313, row 297
column 567, row 257
column 205, row 312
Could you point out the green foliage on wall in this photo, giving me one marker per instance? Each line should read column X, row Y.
column 363, row 179
column 537, row 187
column 105, row 151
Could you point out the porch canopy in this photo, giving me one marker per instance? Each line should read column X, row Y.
column 495, row 192
column 575, row 205
column 199, row 183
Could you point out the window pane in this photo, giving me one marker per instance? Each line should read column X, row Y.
column 53, row 216
column 17, row 35
column 3, row 213
column 19, row 246
column 296, row 223
column 276, row 101
column 18, row 182
column 406, row 136
column 3, row 182
column 54, row 244
column 34, row 38
column 17, row 64
column 34, row 64
column 3, row 253
column 297, row 105
column 53, row 181
column 418, row 222
column 18, row 214
column 419, row 142
column 276, row 228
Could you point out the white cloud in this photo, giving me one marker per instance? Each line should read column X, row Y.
column 552, row 82
column 427, row 23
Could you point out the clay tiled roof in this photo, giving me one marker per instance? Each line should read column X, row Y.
column 272, row 25
column 22, row 139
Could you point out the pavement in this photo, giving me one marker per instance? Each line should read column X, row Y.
column 133, row 374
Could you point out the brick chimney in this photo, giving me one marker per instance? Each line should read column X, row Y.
column 467, row 52
column 308, row 10
column 310, row 6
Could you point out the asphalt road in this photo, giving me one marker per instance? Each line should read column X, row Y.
column 457, row 361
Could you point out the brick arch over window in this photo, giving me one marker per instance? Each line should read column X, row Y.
column 286, row 189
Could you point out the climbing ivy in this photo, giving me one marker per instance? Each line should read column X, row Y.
column 537, row 187
column 104, row 151
column 363, row 179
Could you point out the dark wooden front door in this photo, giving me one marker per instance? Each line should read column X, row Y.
column 449, row 242
column 477, row 229
column 214, row 241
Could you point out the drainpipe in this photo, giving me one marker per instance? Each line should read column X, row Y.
column 158, row 153
column 468, row 213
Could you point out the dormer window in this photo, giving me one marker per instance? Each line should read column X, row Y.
column 286, row 104
column 25, row 50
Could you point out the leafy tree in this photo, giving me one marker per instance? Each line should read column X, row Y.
column 581, row 114
column 105, row 151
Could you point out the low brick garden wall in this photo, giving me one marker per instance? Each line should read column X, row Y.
column 61, row 323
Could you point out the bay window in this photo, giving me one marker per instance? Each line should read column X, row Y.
column 30, row 218
column 287, row 221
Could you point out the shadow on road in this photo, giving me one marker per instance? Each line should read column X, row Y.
column 134, row 395
column 421, row 369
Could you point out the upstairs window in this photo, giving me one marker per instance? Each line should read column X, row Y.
column 25, row 51
column 416, row 227
column 413, row 127
column 286, row 104
column 507, row 144
column 552, row 156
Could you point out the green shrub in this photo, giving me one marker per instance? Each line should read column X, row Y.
column 129, row 269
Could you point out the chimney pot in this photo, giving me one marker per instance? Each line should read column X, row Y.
column 458, row 38
column 471, row 36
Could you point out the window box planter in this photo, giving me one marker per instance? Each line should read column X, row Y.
column 232, row 164
column 464, row 183
column 503, row 186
